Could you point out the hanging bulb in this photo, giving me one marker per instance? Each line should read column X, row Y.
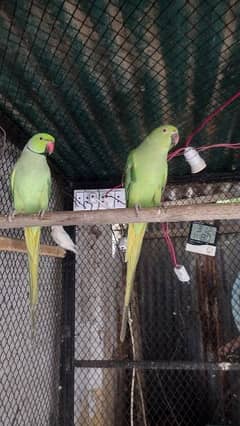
column 193, row 158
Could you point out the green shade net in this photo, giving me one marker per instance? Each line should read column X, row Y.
column 99, row 75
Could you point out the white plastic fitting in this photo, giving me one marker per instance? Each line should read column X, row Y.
column 122, row 244
column 193, row 158
column 182, row 273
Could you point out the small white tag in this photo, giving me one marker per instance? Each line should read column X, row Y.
column 182, row 273
column 208, row 250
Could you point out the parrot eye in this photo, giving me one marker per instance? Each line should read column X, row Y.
column 164, row 130
column 41, row 139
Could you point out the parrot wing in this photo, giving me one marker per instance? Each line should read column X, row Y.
column 157, row 197
column 49, row 186
column 129, row 174
column 12, row 180
column 165, row 177
column 45, row 194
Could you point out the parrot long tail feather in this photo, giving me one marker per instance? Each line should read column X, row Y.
column 136, row 233
column 32, row 239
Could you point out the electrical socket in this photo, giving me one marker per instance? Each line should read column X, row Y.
column 107, row 202
column 96, row 199
column 93, row 199
column 119, row 199
column 78, row 200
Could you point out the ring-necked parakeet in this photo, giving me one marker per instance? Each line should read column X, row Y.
column 31, row 186
column 145, row 179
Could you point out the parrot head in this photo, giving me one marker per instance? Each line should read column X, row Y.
column 167, row 135
column 41, row 143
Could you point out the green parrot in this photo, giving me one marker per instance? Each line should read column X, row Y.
column 145, row 179
column 30, row 186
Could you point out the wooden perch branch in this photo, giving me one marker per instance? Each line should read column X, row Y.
column 170, row 214
column 15, row 245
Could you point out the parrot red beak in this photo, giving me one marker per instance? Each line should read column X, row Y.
column 174, row 138
column 50, row 147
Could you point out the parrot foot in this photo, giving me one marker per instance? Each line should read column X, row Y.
column 42, row 213
column 12, row 215
column 162, row 210
column 137, row 209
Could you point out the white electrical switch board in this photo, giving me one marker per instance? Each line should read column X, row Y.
column 99, row 199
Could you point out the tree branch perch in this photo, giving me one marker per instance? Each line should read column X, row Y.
column 19, row 246
column 170, row 214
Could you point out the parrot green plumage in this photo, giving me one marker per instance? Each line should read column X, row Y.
column 30, row 186
column 145, row 179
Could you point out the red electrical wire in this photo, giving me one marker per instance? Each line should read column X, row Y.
column 210, row 117
column 206, row 120
column 112, row 189
column 180, row 151
column 203, row 124
column 219, row 145
column 169, row 243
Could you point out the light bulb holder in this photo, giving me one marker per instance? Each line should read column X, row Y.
column 194, row 160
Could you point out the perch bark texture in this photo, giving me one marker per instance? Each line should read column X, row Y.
column 183, row 213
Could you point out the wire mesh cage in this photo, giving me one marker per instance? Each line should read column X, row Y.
column 110, row 71
column 99, row 76
column 29, row 373
column 180, row 361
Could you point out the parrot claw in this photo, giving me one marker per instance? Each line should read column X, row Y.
column 41, row 214
column 137, row 208
column 162, row 209
column 11, row 216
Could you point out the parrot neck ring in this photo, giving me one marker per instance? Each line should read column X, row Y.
column 35, row 152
